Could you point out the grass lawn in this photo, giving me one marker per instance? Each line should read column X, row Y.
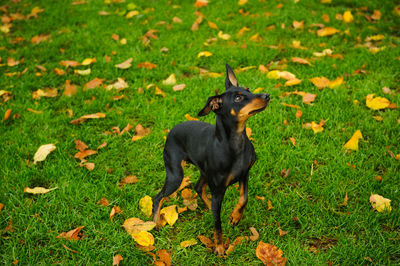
column 309, row 203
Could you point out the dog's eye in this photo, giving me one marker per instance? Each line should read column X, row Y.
column 238, row 98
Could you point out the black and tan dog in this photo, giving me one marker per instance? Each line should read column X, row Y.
column 222, row 152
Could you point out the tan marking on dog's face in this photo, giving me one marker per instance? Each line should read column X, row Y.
column 233, row 112
column 244, row 113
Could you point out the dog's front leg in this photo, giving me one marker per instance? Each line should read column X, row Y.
column 216, row 203
column 239, row 208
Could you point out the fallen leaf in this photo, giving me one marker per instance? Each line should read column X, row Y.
column 346, row 198
column 101, row 146
column 47, row 92
column 11, row 62
column 327, row 31
column 169, row 214
column 376, row 15
column 88, row 61
column 292, row 82
column 190, row 118
column 147, row 65
column 270, row 205
column 133, row 225
column 317, row 127
column 269, row 254
column 131, row 179
column 185, row 182
column 160, row 92
column 1, row 206
column 143, row 238
column 223, row 36
column 335, row 83
column 188, row 243
column 126, row 64
column 7, row 114
column 376, row 103
column 38, row 190
column 298, row 24
column 171, row 80
column 291, row 105
column 141, row 132
column 88, row 116
column 179, row 87
column 126, row 129
column 380, row 203
column 80, row 145
column 114, row 211
column 103, row 202
column 348, row 17
column 119, row 85
column 242, row 2
column 293, row 140
column 69, row 63
column 74, row 234
column 146, row 205
column 352, row 144
column 206, row 241
column 299, row 113
column 83, row 154
column 94, row 83
column 212, row 25
column 117, row 259
column 42, row 152
column 204, row 54
column 70, row 89
column 255, row 235
column 200, row 3
column 320, row 82
column 83, row 72
column 300, row 60
column 164, row 256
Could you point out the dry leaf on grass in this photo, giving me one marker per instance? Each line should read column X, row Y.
column 206, row 241
column 143, row 238
column 171, row 80
column 352, row 144
column 80, row 145
column 114, row 211
column 179, row 87
column 126, row 64
column 188, row 243
column 140, row 132
column 83, row 154
column 146, row 205
column 74, row 234
column 103, row 202
column 255, row 235
column 169, row 214
column 131, row 179
column 380, row 203
column 117, row 259
column 47, row 92
column 38, row 190
column 133, row 225
column 164, row 256
column 42, row 152
column 269, row 254
column 88, row 116
column 376, row 103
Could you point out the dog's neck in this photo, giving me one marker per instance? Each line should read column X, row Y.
column 226, row 130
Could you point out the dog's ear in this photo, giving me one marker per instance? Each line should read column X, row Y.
column 213, row 103
column 230, row 78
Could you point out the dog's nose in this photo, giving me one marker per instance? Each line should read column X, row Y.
column 265, row 96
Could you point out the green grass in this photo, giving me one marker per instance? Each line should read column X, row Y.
column 324, row 231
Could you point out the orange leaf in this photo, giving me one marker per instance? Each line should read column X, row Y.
column 83, row 154
column 80, row 145
column 299, row 114
column 117, row 259
column 188, row 117
column 206, row 241
column 74, row 234
column 164, row 256
column 130, row 179
column 147, row 65
column 255, row 235
column 114, row 211
column 93, row 83
column 70, row 89
column 269, row 254
column 291, row 105
column 292, row 82
column 140, row 132
column 69, row 63
column 48, row 92
column 7, row 114
column 133, row 225
column 103, row 202
column 300, row 61
column 298, row 24
column 335, row 83
column 200, row 3
column 320, row 82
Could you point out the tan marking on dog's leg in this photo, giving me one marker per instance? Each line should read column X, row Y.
column 239, row 208
column 204, row 196
column 156, row 218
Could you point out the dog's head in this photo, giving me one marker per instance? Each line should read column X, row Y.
column 237, row 103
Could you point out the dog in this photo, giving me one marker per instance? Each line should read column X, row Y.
column 222, row 152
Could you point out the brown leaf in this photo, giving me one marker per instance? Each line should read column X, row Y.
column 140, row 132
column 102, row 145
column 89, row 166
column 376, row 15
column 126, row 129
column 47, row 92
column 70, row 89
column 300, row 61
column 89, row 116
column 206, row 241
column 69, row 63
column 80, row 145
column 164, row 256
column 147, row 65
column 285, row 172
column 69, row 249
column 39, row 38
column 59, row 71
column 131, row 179
column 83, row 154
column 117, row 259
column 1, row 206
column 74, row 234
column 269, row 254
column 114, row 211
column 94, row 83
column 255, row 235
column 103, row 202
column 7, row 114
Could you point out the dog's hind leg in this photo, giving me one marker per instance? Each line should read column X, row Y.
column 173, row 165
column 200, row 188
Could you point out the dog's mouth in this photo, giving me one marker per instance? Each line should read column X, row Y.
column 253, row 112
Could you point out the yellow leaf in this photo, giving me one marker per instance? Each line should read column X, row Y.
column 146, row 205
column 204, row 53
column 292, row 82
column 380, row 203
column 258, row 90
column 320, row 82
column 38, row 190
column 316, row 127
column 223, row 36
column 169, row 214
column 158, row 91
column 212, row 25
column 133, row 225
column 132, row 13
column 83, row 72
column 171, row 80
column 377, row 37
column 327, row 31
column 143, row 238
column 286, row 75
column 242, row 2
column 188, row 243
column 88, row 61
column 348, row 17
column 335, row 83
column 42, row 152
column 274, row 74
column 352, row 144
column 376, row 103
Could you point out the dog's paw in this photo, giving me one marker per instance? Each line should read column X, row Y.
column 220, row 250
column 234, row 219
